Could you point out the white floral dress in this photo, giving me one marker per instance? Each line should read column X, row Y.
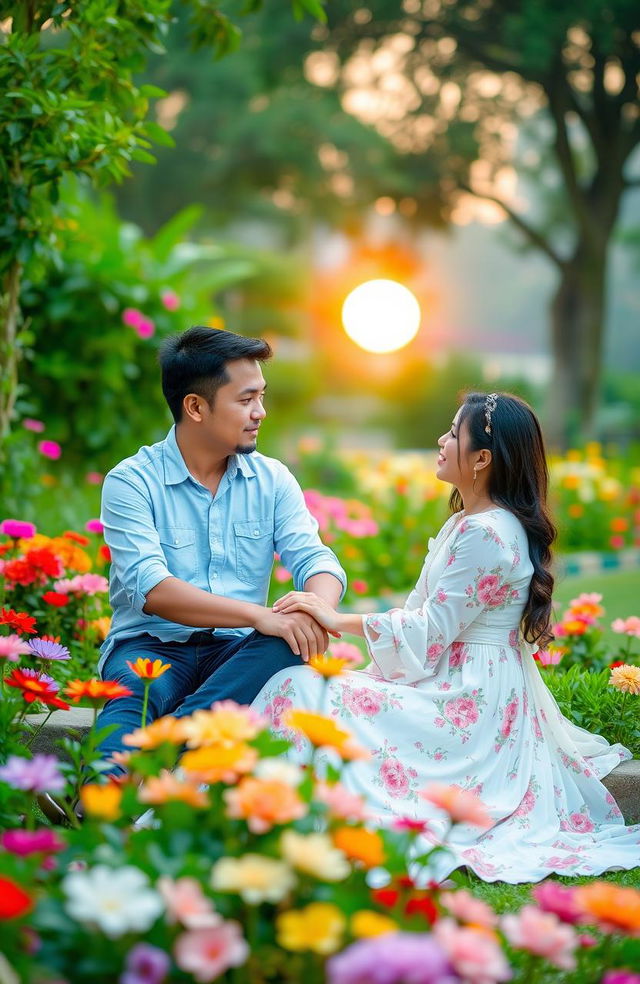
column 454, row 695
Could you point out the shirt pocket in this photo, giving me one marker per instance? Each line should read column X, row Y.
column 254, row 549
column 178, row 546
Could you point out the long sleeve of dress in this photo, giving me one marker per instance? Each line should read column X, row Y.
column 407, row 645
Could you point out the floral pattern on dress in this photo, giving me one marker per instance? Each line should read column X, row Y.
column 364, row 702
column 508, row 732
column 460, row 713
column 490, row 590
column 522, row 813
column 398, row 781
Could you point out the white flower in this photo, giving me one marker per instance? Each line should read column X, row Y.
column 117, row 900
column 315, row 855
column 256, row 878
column 279, row 770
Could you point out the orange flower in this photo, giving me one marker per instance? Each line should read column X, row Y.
column 571, row 482
column 148, row 669
column 227, row 723
column 219, row 763
column 576, row 510
column 614, row 909
column 95, row 690
column 461, row 805
column 164, row 730
column 327, row 666
column 166, row 788
column 323, row 732
column 79, row 538
column 102, row 802
column 360, row 844
column 263, row 803
column 101, row 626
column 574, row 627
column 619, row 524
column 625, row 678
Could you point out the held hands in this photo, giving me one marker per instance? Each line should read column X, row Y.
column 301, row 631
column 312, row 604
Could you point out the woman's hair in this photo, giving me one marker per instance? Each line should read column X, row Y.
column 518, row 481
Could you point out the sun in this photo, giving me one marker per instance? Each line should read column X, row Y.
column 381, row 315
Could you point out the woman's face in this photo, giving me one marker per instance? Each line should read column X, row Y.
column 453, row 446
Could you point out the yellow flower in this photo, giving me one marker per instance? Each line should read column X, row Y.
column 327, row 666
column 163, row 730
column 219, row 763
column 571, row 482
column 166, row 788
column 318, row 927
column 366, row 922
column 102, row 802
column 625, row 678
column 148, row 669
column 360, row 845
column 101, row 626
column 254, row 877
column 314, row 854
column 226, row 724
column 322, row 731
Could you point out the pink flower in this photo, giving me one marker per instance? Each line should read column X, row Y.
column 50, row 449
column 208, row 953
column 509, row 717
column 475, row 954
column 94, row 526
column 434, row 652
column 26, row 842
column 461, row 805
column 170, row 300
column 30, row 424
column 394, row 778
column 461, row 711
column 346, row 651
column 542, row 934
column 549, row 657
column 457, row 654
column 359, row 586
column 560, row 899
column 12, row 647
column 145, row 328
column 37, row 775
column 468, row 909
column 487, row 587
column 131, row 317
column 187, row 904
column 441, row 596
column 276, row 709
column 620, row 977
column 281, row 574
column 526, row 804
column 581, row 822
column 364, row 701
column 628, row 626
column 341, row 802
column 616, row 542
column 17, row 529
column 93, row 478
column 89, row 584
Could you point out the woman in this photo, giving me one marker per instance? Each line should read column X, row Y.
column 453, row 693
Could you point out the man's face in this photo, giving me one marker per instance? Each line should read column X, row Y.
column 231, row 426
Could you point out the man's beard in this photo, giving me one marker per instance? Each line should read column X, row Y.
column 245, row 448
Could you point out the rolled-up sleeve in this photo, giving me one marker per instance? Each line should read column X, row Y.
column 129, row 531
column 408, row 645
column 296, row 537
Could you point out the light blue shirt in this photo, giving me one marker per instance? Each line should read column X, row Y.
column 160, row 522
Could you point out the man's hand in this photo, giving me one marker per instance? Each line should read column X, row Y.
column 301, row 631
column 318, row 608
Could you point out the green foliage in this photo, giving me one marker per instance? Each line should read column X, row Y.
column 587, row 699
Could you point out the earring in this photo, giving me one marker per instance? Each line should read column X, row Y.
column 475, row 477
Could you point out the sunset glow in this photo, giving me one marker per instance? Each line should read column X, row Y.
column 381, row 316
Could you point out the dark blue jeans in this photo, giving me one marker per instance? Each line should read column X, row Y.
column 204, row 669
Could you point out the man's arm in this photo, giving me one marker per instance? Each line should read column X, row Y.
column 326, row 586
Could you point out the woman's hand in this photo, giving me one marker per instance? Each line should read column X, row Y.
column 312, row 604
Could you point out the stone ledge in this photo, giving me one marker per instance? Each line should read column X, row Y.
column 623, row 783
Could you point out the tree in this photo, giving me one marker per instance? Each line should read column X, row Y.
column 456, row 81
column 70, row 105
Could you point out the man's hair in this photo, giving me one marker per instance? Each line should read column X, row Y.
column 196, row 361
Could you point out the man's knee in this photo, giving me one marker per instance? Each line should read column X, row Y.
column 275, row 651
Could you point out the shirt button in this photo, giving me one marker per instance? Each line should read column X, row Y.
column 176, row 542
column 214, row 575
column 256, row 532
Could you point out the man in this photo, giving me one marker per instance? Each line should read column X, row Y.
column 192, row 524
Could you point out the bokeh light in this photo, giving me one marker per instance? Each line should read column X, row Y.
column 381, row 316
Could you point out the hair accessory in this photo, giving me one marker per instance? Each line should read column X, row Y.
column 489, row 406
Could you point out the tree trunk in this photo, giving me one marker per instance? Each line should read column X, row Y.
column 577, row 331
column 9, row 315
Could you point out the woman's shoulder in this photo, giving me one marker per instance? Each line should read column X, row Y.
column 497, row 524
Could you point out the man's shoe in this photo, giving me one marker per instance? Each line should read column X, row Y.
column 55, row 812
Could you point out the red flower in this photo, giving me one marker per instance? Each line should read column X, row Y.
column 96, row 690
column 56, row 599
column 386, row 896
column 84, row 541
column 617, row 662
column 35, row 687
column 104, row 553
column 423, row 906
column 14, row 901
column 45, row 562
column 18, row 571
column 19, row 621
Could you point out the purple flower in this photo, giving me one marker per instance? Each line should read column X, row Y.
column 48, row 649
column 146, row 964
column 17, row 529
column 37, row 775
column 395, row 958
column 44, row 677
column 620, row 977
column 25, row 842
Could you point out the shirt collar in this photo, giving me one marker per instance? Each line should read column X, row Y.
column 176, row 471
